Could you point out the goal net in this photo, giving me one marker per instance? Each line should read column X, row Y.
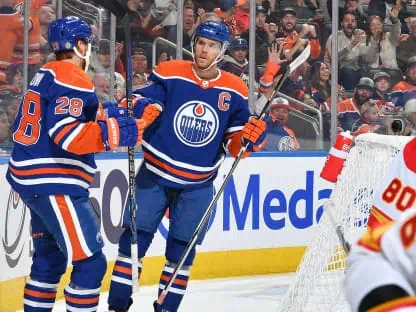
column 318, row 284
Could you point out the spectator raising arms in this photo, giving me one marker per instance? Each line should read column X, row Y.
column 294, row 43
column 379, row 52
column 407, row 45
column 350, row 38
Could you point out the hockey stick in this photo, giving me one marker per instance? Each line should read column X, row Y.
column 291, row 68
column 328, row 206
column 121, row 12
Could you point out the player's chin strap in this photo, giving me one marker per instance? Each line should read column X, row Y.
column 86, row 57
column 218, row 59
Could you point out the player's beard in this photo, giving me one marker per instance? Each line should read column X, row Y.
column 206, row 64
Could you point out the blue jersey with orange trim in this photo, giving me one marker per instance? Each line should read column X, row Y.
column 348, row 113
column 279, row 137
column 402, row 92
column 55, row 133
column 186, row 145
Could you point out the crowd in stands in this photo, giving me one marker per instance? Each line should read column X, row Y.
column 376, row 58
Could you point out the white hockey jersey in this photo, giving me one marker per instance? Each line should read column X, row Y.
column 397, row 191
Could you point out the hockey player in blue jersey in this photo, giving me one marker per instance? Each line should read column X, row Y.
column 56, row 134
column 205, row 113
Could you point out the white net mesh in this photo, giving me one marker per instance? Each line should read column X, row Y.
column 318, row 283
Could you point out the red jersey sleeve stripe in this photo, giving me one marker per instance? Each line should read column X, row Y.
column 377, row 218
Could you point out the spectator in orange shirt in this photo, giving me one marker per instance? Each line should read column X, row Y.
column 11, row 25
column 226, row 12
column 294, row 43
column 349, row 110
column 242, row 17
column 34, row 37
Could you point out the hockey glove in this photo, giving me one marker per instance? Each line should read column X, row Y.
column 140, row 110
column 112, row 110
column 151, row 112
column 121, row 132
column 254, row 132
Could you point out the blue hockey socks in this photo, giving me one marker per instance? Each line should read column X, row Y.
column 39, row 296
column 177, row 290
column 121, row 281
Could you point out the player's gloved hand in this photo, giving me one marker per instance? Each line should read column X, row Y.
column 112, row 110
column 254, row 132
column 151, row 112
column 140, row 110
column 122, row 131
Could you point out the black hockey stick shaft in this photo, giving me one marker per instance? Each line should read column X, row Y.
column 346, row 245
column 303, row 57
column 120, row 10
column 131, row 163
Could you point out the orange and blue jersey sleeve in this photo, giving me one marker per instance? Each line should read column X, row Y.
column 71, row 108
column 71, row 123
column 315, row 48
column 266, row 81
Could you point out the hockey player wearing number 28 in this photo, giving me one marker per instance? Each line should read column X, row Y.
column 58, row 129
column 205, row 113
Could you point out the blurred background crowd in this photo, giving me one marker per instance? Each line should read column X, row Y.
column 376, row 63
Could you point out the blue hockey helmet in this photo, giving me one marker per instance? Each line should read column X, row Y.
column 63, row 33
column 213, row 30
column 239, row 43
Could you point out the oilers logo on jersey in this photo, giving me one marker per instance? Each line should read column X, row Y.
column 286, row 143
column 196, row 123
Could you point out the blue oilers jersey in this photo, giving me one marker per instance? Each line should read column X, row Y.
column 55, row 133
column 186, row 145
column 279, row 137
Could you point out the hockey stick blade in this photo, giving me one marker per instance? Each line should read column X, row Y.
column 114, row 6
column 303, row 57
